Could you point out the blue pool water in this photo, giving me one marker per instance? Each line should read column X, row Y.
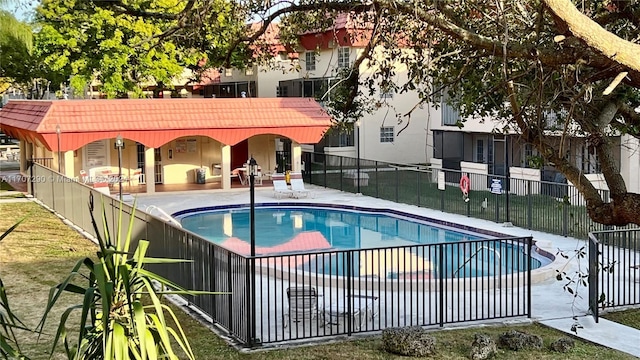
column 281, row 230
column 340, row 228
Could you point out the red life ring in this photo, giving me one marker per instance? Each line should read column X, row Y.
column 465, row 184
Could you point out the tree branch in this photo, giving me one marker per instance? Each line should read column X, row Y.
column 581, row 26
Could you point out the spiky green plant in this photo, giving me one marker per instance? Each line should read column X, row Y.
column 122, row 315
column 9, row 347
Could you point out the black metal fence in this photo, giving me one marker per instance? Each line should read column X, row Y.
column 46, row 162
column 271, row 299
column 552, row 207
column 614, row 269
column 355, row 291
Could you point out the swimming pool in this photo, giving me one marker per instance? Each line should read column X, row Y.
column 323, row 228
column 386, row 241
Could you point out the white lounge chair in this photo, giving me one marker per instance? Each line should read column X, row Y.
column 363, row 310
column 303, row 305
column 280, row 187
column 297, row 186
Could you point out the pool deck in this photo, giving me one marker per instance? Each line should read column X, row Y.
column 551, row 305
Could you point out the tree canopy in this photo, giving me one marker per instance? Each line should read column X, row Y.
column 520, row 62
column 122, row 47
column 15, row 46
column 525, row 62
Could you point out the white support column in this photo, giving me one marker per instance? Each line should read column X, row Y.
column 149, row 169
column 296, row 153
column 68, row 164
column 23, row 156
column 226, row 166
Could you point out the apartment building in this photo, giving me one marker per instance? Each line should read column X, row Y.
column 430, row 136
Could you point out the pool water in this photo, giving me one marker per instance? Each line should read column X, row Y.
column 386, row 245
column 327, row 228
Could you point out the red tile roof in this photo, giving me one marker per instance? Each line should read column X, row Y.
column 154, row 122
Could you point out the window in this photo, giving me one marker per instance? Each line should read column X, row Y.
column 386, row 134
column 386, row 94
column 530, row 157
column 283, row 56
column 282, row 91
column 590, row 161
column 343, row 57
column 450, row 115
column 248, row 71
column 480, row 151
column 228, row 72
column 310, row 61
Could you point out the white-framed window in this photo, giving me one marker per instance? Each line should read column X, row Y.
column 228, row 72
column 310, row 61
column 343, row 57
column 248, row 71
column 387, row 134
column 283, row 56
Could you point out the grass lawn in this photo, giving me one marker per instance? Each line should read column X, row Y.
column 627, row 317
column 546, row 213
column 42, row 251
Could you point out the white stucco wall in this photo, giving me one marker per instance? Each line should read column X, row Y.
column 413, row 144
column 630, row 162
column 269, row 76
column 520, row 187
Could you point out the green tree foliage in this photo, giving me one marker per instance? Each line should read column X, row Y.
column 121, row 46
column 16, row 42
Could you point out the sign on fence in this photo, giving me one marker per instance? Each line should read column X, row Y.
column 441, row 185
column 496, row 186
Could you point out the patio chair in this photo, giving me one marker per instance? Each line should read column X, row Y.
column 134, row 178
column 303, row 304
column 297, row 186
column 102, row 187
column 280, row 187
column 363, row 310
column 84, row 177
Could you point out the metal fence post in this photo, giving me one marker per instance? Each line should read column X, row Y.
column 249, row 304
column 31, row 178
column 324, row 168
column 593, row 277
column 230, row 289
column 418, row 181
column 397, row 185
column 442, row 193
column 377, row 182
column 441, row 268
column 497, row 208
column 529, row 249
column 341, row 173
column 565, row 218
column 349, row 291
column 529, row 206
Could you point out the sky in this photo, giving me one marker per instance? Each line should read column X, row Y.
column 21, row 9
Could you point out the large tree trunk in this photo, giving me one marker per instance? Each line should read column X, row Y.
column 581, row 26
column 622, row 210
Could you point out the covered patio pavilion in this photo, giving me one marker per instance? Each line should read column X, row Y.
column 166, row 140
